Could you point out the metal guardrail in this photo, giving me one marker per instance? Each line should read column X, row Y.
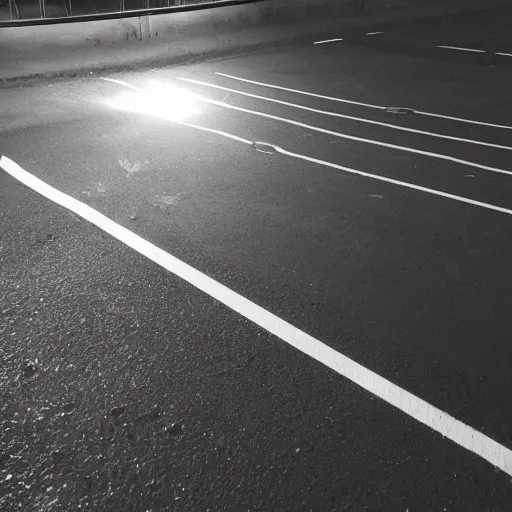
column 23, row 13
column 26, row 12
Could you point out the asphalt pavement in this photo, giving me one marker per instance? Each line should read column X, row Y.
column 359, row 190
column 482, row 38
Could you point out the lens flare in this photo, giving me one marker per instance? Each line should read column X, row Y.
column 158, row 100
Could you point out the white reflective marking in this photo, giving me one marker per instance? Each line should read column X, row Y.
column 504, row 54
column 120, row 82
column 439, row 421
column 297, row 91
column 397, row 182
column 328, row 41
column 349, row 137
column 473, row 50
column 361, row 139
column 369, row 105
column 344, row 116
column 374, row 33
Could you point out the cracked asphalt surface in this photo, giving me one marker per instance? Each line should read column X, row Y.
column 123, row 387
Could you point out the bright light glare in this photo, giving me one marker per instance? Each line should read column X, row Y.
column 159, row 100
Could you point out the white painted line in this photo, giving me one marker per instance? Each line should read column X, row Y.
column 374, row 33
column 328, row 41
column 451, row 428
column 464, row 120
column 217, row 132
column 297, row 91
column 368, row 105
column 473, row 50
column 348, row 137
column 344, row 116
column 120, row 82
column 504, row 54
column 405, row 184
column 361, row 139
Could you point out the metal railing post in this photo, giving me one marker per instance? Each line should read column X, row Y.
column 67, row 6
column 359, row 7
column 42, row 11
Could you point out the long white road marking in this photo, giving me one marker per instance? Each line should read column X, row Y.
column 120, row 82
column 297, row 91
column 260, row 145
column 451, row 428
column 328, row 41
column 374, row 33
column 368, row 105
column 473, row 50
column 504, row 54
column 344, row 116
column 339, row 134
column 360, row 139
column 405, row 184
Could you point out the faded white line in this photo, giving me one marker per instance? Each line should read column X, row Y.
column 439, row 421
column 368, row 105
column 328, row 41
column 344, row 116
column 374, row 33
column 504, row 54
column 473, row 50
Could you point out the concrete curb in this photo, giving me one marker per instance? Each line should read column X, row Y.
column 171, row 40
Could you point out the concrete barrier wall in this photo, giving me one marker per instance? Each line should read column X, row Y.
column 71, row 35
column 176, row 26
column 172, row 26
column 190, row 32
column 179, row 27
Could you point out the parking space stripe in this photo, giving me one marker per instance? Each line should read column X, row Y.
column 344, row 116
column 368, row 105
column 439, row 421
